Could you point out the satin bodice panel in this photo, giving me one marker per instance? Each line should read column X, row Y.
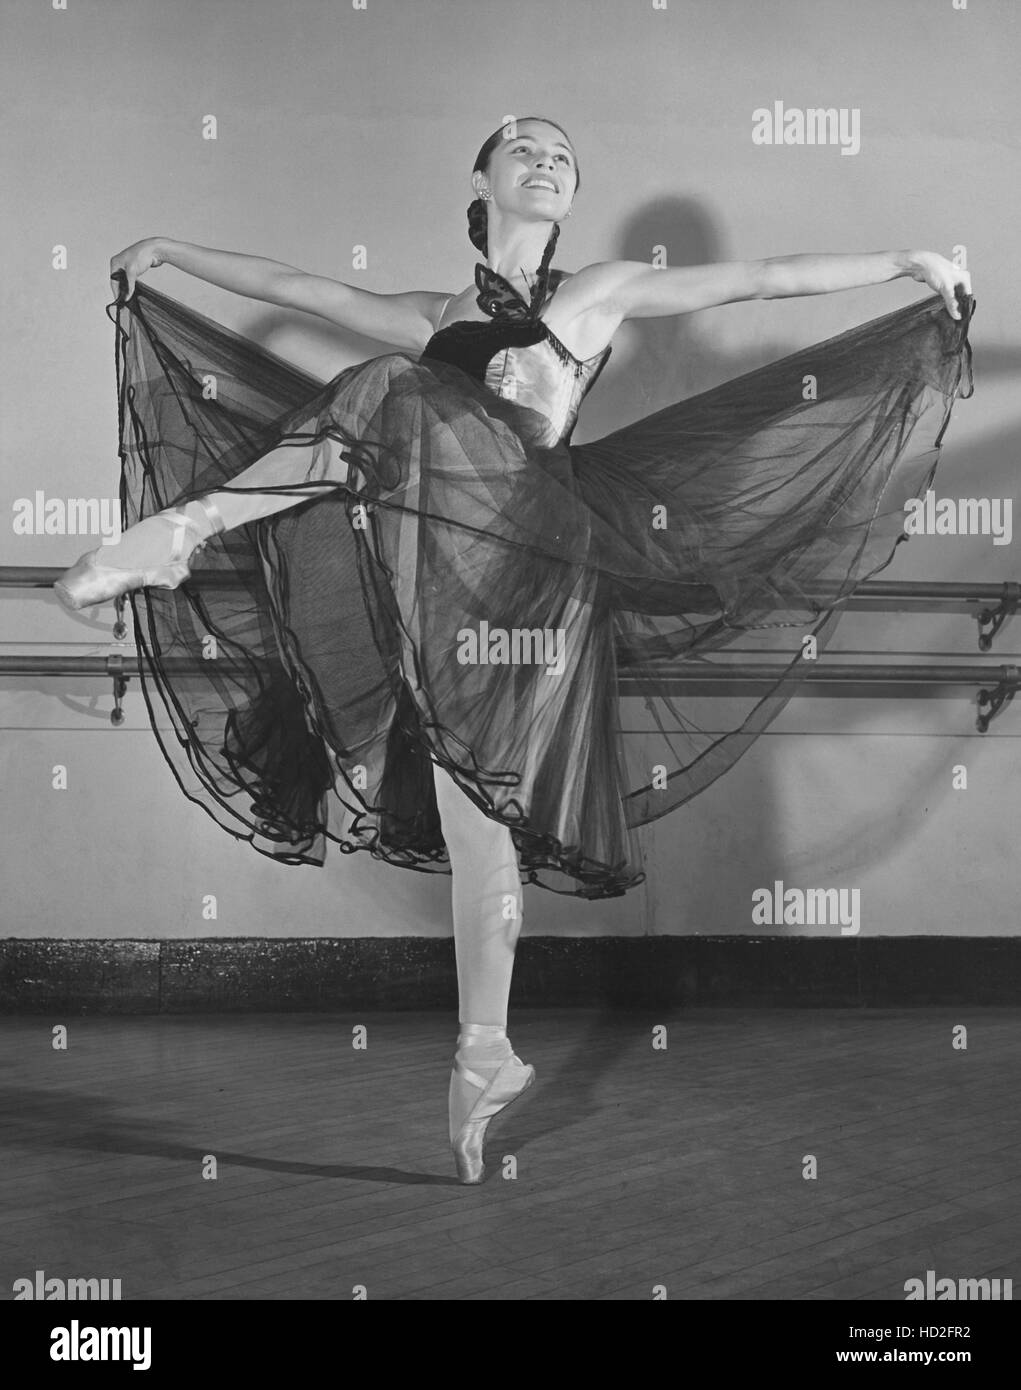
column 523, row 361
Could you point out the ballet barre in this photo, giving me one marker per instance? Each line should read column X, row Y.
column 702, row 677
column 989, row 604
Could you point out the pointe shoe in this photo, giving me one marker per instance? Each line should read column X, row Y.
column 89, row 581
column 511, row 1081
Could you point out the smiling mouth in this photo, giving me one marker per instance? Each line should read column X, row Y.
column 541, row 186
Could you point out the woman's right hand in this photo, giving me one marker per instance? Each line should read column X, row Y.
column 134, row 261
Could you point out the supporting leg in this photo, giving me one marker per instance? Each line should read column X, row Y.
column 486, row 898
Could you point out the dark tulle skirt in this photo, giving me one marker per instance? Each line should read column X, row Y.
column 320, row 659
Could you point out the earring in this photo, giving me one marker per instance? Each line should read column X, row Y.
column 569, row 211
column 485, row 195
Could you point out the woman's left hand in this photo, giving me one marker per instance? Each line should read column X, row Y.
column 942, row 276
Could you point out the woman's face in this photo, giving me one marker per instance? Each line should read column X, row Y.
column 532, row 157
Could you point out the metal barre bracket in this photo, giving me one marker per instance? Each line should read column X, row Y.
column 115, row 665
column 1006, row 608
column 996, row 699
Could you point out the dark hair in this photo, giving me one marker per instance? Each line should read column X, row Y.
column 478, row 218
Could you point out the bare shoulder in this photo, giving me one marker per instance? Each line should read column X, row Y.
column 429, row 304
column 405, row 320
column 636, row 289
column 584, row 314
column 409, row 318
column 594, row 285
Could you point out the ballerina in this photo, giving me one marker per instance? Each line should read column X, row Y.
column 467, row 508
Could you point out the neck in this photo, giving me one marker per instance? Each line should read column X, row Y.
column 516, row 248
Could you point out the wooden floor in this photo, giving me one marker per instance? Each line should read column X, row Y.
column 635, row 1167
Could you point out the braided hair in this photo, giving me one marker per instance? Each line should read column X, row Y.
column 478, row 217
column 478, row 225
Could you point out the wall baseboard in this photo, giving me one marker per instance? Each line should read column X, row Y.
column 235, row 974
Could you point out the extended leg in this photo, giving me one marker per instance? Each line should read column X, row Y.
column 143, row 545
column 155, row 551
column 276, row 469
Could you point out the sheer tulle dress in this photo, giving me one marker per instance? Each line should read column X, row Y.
column 480, row 592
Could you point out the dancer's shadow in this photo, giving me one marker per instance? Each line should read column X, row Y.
column 68, row 1120
column 570, row 1092
column 659, row 361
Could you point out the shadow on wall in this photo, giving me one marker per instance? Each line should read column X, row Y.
column 658, row 361
column 654, row 363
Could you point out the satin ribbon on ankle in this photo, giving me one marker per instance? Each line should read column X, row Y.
column 213, row 512
column 492, row 1032
column 184, row 521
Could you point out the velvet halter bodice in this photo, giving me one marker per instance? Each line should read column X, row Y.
column 516, row 356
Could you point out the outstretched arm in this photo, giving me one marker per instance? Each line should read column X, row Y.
column 783, row 276
column 404, row 320
column 633, row 289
